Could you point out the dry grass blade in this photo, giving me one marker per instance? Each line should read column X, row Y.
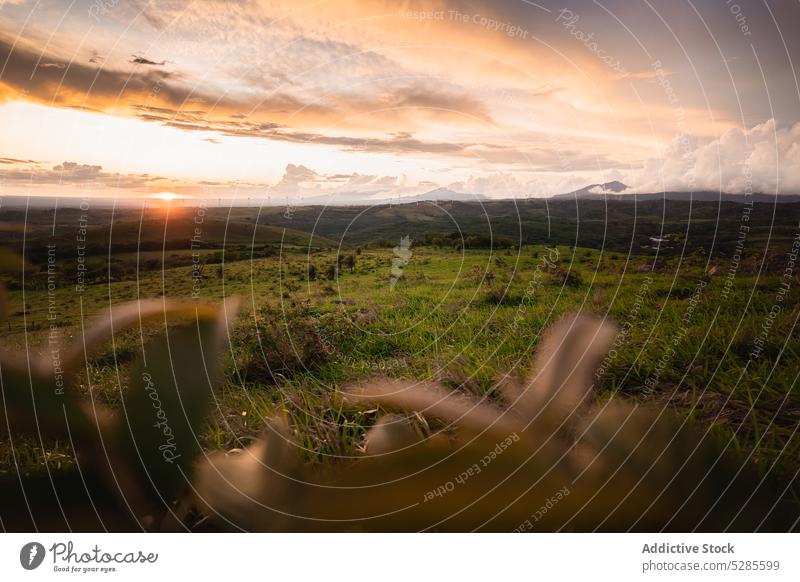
column 169, row 400
column 122, row 317
column 561, row 382
column 244, row 489
column 391, row 433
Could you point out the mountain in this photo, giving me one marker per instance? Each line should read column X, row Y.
column 596, row 190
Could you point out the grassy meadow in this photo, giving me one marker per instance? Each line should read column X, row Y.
column 469, row 318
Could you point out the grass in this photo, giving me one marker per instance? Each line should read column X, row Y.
column 468, row 318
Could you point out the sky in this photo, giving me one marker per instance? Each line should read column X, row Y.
column 367, row 100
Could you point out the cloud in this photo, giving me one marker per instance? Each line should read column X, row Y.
column 552, row 157
column 298, row 179
column 428, row 96
column 239, row 126
column 66, row 82
column 161, row 96
column 302, row 184
column 144, row 8
column 764, row 158
column 499, row 185
column 68, row 174
column 647, row 74
column 534, row 185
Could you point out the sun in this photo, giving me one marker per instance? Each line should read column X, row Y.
column 165, row 196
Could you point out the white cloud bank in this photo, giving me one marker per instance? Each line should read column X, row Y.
column 765, row 159
column 302, row 184
column 761, row 159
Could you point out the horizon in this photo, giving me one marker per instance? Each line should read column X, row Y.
column 42, row 201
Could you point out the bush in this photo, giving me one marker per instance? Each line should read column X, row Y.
column 288, row 341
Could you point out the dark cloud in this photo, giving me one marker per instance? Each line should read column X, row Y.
column 424, row 95
column 16, row 161
column 68, row 83
column 375, row 144
column 137, row 60
column 402, row 142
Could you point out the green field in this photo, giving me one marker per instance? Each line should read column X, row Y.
column 467, row 318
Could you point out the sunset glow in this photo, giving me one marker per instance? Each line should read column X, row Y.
column 368, row 100
column 167, row 197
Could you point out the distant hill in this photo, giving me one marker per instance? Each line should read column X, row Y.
column 707, row 196
column 629, row 224
column 98, row 232
column 348, row 199
column 439, row 195
column 50, row 202
column 616, row 190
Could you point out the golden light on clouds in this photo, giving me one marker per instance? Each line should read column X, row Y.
column 221, row 100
